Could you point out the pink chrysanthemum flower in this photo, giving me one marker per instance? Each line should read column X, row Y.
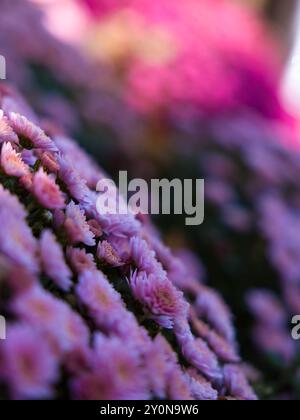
column 11, row 162
column 95, row 386
column 31, row 367
column 6, row 132
column 107, row 254
column 75, row 330
column 80, row 261
column 47, row 192
column 225, row 350
column 53, row 261
column 144, row 258
column 210, row 306
column 64, row 328
column 200, row 388
column 12, row 204
column 76, row 225
column 104, row 304
column 197, row 352
column 75, row 184
column 40, row 309
column 163, row 369
column 120, row 225
column 48, row 160
column 16, row 239
column 158, row 366
column 81, row 162
column 160, row 299
column 96, row 228
column 30, row 132
column 236, row 383
column 178, row 386
column 114, row 372
column 125, row 361
column 78, row 359
column 183, row 270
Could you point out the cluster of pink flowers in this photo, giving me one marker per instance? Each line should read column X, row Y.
column 101, row 303
column 66, row 264
column 176, row 61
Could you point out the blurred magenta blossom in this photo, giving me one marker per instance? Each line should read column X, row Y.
column 190, row 58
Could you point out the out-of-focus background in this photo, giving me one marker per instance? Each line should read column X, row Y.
column 67, row 20
column 188, row 89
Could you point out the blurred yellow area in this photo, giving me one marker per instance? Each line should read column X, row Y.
column 125, row 35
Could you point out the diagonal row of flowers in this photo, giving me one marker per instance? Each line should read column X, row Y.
column 32, row 158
